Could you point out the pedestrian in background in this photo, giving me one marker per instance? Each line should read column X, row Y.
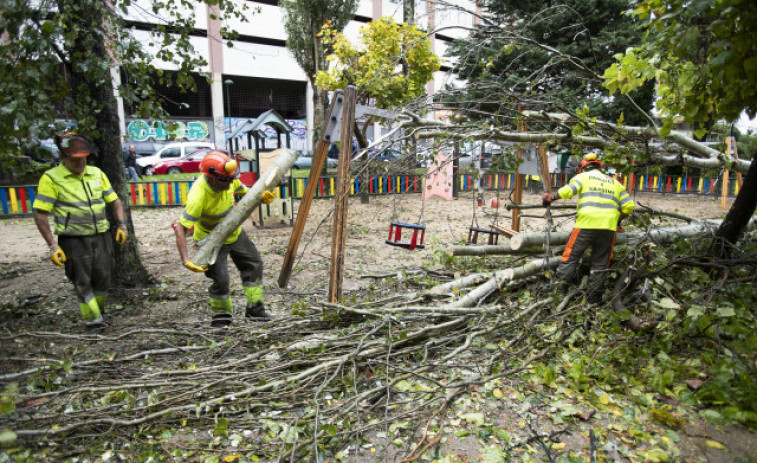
column 130, row 162
column 76, row 194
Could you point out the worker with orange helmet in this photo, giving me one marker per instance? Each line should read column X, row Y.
column 602, row 204
column 210, row 199
column 76, row 194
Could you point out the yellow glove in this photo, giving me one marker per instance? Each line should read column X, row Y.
column 121, row 234
column 268, row 197
column 57, row 256
column 195, row 268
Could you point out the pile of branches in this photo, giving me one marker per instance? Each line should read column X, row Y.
column 316, row 384
column 325, row 383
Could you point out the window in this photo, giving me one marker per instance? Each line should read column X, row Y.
column 193, row 148
column 171, row 153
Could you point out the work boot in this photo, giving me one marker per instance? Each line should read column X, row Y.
column 257, row 310
column 96, row 326
column 220, row 320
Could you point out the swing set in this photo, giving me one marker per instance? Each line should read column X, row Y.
column 416, row 231
column 491, row 234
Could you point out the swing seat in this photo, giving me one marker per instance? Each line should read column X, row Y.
column 416, row 239
column 493, row 235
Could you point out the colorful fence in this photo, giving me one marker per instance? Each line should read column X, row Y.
column 18, row 200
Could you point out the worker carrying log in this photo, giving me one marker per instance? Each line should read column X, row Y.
column 602, row 205
column 210, row 199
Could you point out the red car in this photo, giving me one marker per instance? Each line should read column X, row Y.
column 188, row 164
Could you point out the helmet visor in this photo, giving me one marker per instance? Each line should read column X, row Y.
column 75, row 146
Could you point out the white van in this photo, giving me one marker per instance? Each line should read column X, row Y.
column 170, row 151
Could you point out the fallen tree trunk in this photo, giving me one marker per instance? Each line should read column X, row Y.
column 655, row 235
column 270, row 179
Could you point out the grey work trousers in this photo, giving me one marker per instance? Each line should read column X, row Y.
column 88, row 267
column 601, row 242
column 245, row 256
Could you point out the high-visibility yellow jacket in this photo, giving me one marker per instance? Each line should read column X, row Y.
column 77, row 203
column 206, row 207
column 601, row 200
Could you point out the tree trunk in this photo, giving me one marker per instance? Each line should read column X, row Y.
column 656, row 235
column 741, row 211
column 128, row 270
column 362, row 142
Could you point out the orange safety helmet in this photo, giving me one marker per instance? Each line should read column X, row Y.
column 73, row 145
column 590, row 162
column 218, row 165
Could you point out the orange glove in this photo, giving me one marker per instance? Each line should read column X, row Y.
column 122, row 234
column 57, row 256
column 267, row 197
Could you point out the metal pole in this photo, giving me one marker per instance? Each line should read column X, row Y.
column 227, row 83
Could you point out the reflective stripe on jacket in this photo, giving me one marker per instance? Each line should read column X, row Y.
column 77, row 203
column 206, row 207
column 601, row 200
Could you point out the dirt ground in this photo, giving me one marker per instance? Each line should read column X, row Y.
column 27, row 274
column 447, row 223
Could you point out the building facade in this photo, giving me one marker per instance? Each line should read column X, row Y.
column 258, row 73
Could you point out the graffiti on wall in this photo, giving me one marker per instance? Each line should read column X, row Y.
column 144, row 130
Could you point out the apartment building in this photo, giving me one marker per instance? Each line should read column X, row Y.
column 258, row 73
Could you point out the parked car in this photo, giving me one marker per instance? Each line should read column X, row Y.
column 44, row 152
column 386, row 156
column 305, row 160
column 143, row 148
column 187, row 164
column 176, row 150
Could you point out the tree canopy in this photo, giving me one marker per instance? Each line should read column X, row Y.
column 303, row 21
column 700, row 54
column 529, row 50
column 374, row 65
column 46, row 43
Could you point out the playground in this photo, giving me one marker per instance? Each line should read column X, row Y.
column 159, row 336
column 447, row 224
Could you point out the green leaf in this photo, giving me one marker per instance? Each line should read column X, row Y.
column 725, row 312
column 221, row 428
column 7, row 437
column 493, row 455
column 695, row 311
column 476, row 418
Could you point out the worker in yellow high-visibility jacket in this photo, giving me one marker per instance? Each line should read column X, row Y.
column 210, row 199
column 76, row 194
column 602, row 204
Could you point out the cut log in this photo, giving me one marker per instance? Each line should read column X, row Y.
column 271, row 178
column 536, row 239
